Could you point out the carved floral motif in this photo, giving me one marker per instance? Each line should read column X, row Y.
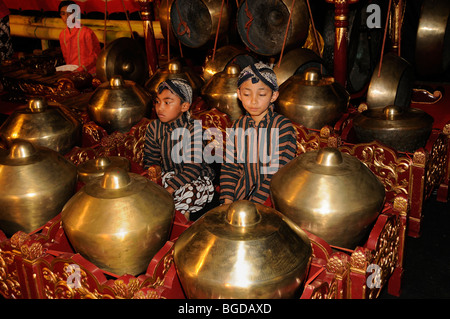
column 393, row 171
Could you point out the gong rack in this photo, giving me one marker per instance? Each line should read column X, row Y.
column 334, row 273
column 35, row 265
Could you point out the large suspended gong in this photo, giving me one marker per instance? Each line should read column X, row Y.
column 195, row 22
column 432, row 54
column 124, row 57
column 262, row 25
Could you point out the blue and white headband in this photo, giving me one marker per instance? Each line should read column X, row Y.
column 259, row 71
column 180, row 87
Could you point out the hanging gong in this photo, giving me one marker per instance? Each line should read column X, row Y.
column 262, row 24
column 124, row 57
column 164, row 20
column 432, row 54
column 394, row 84
column 195, row 22
column 296, row 61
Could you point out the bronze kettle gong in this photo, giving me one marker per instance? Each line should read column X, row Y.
column 312, row 100
column 330, row 194
column 119, row 221
column 97, row 167
column 405, row 130
column 35, row 184
column 221, row 92
column 117, row 105
column 43, row 124
column 242, row 250
column 175, row 70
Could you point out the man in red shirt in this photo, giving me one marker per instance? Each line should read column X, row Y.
column 79, row 44
column 6, row 48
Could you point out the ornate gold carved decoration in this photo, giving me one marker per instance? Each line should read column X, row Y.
column 391, row 170
column 437, row 164
column 9, row 280
column 306, row 141
column 56, row 285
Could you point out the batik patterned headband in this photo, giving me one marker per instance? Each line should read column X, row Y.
column 259, row 71
column 180, row 87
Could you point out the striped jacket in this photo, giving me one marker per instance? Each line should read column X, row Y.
column 162, row 140
column 253, row 154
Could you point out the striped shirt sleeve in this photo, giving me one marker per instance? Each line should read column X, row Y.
column 192, row 164
column 152, row 149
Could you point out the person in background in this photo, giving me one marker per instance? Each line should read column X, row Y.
column 6, row 48
column 79, row 46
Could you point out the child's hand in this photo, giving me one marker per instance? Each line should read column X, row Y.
column 227, row 201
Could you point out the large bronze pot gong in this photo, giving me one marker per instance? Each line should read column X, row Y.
column 119, row 222
column 35, row 183
column 312, row 100
column 242, row 250
column 43, row 124
column 221, row 92
column 330, row 194
column 404, row 130
column 118, row 104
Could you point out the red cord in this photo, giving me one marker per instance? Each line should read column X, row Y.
column 286, row 33
column 217, row 31
column 249, row 23
column 384, row 37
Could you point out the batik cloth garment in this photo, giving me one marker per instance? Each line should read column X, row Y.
column 80, row 46
column 179, row 87
column 259, row 72
column 191, row 197
column 158, row 147
column 244, row 172
column 6, row 48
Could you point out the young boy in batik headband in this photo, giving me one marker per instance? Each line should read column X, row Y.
column 259, row 143
column 188, row 179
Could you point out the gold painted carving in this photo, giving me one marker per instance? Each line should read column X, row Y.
column 9, row 280
column 28, row 251
column 56, row 286
column 437, row 164
column 306, row 141
column 388, row 170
